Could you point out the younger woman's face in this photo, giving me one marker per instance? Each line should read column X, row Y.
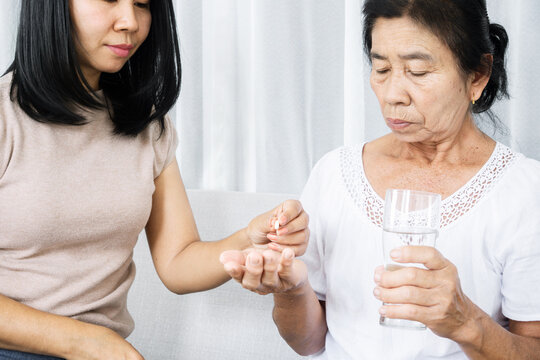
column 107, row 33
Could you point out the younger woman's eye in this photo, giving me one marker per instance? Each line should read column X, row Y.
column 143, row 5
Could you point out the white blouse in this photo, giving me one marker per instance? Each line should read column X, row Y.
column 490, row 229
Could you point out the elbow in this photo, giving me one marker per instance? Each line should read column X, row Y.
column 307, row 347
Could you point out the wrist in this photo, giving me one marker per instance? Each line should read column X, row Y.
column 293, row 294
column 470, row 336
column 245, row 241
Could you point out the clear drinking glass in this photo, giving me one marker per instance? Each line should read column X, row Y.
column 410, row 218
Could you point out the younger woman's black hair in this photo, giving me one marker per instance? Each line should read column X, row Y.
column 49, row 85
column 463, row 25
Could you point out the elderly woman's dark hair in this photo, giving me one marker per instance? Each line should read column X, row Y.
column 463, row 25
column 48, row 81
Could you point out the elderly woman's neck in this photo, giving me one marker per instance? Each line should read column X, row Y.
column 468, row 146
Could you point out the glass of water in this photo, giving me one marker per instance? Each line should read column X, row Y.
column 410, row 218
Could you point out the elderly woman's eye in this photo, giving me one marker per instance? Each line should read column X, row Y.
column 381, row 71
column 418, row 73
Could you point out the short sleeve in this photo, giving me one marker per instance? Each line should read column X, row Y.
column 314, row 256
column 521, row 269
column 165, row 144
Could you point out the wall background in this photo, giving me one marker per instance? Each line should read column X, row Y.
column 269, row 86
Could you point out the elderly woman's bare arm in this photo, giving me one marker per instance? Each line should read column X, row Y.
column 301, row 321
column 488, row 340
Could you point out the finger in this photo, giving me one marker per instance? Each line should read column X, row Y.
column 407, row 312
column 270, row 277
column 412, row 276
column 253, row 271
column 290, row 209
column 299, row 223
column 405, row 295
column 378, row 273
column 236, row 256
column 285, row 269
column 298, row 242
column 235, row 270
column 296, row 238
column 427, row 255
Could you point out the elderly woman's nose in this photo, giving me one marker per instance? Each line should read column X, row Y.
column 126, row 18
column 394, row 91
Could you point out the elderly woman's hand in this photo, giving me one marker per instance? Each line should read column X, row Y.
column 433, row 297
column 293, row 229
column 265, row 271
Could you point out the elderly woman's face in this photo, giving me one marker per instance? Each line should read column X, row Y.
column 422, row 94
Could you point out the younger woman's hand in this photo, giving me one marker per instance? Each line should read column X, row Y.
column 97, row 343
column 292, row 231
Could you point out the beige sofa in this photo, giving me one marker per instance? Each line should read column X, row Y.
column 228, row 322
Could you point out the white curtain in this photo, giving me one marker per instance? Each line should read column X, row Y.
column 269, row 86
column 9, row 11
column 272, row 85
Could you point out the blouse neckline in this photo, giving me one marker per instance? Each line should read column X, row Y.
column 453, row 207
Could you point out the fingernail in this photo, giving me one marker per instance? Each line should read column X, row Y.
column 254, row 260
column 395, row 253
column 377, row 292
column 382, row 311
column 282, row 219
column 275, row 246
column 228, row 267
column 282, row 231
column 377, row 277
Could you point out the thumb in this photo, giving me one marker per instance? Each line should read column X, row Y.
column 235, row 256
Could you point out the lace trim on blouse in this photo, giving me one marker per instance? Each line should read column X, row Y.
column 452, row 208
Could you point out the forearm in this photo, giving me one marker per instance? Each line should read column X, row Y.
column 301, row 320
column 486, row 340
column 23, row 328
column 197, row 267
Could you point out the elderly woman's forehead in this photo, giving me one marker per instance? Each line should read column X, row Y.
column 405, row 32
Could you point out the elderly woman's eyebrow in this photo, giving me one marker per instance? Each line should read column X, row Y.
column 417, row 56
column 412, row 56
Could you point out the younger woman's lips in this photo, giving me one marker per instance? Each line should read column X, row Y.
column 397, row 124
column 122, row 51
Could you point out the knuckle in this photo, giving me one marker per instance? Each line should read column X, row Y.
column 248, row 285
column 408, row 293
column 268, row 283
column 411, row 274
column 412, row 311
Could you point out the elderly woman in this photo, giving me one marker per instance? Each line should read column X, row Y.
column 434, row 64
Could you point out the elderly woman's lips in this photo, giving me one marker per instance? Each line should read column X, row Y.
column 396, row 124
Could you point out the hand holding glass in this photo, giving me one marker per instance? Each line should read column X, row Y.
column 410, row 218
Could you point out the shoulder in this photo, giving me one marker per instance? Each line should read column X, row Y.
column 164, row 141
column 340, row 159
column 330, row 173
column 519, row 188
column 524, row 177
column 523, row 172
